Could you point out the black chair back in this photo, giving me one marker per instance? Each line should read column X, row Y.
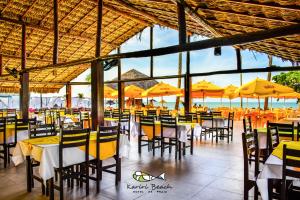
column 170, row 123
column 71, row 139
column 217, row 113
column 41, row 130
column 250, row 149
column 127, row 111
column 285, row 130
column 290, row 167
column 12, row 112
column 11, row 119
column 138, row 114
column 85, row 118
column 272, row 138
column 147, row 121
column 230, row 120
column 152, row 113
column 108, row 134
column 208, row 118
column 185, row 118
column 193, row 115
column 107, row 114
column 164, row 113
column 247, row 124
column 298, row 131
column 3, row 130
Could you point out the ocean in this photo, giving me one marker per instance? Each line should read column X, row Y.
column 215, row 104
column 13, row 102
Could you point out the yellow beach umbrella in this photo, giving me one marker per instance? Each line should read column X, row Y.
column 204, row 89
column 161, row 89
column 292, row 95
column 263, row 88
column 131, row 91
column 231, row 92
column 108, row 92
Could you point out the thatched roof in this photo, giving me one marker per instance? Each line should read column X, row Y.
column 123, row 19
column 134, row 74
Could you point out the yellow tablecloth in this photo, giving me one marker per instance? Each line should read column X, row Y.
column 148, row 130
column 278, row 151
column 10, row 131
column 31, row 147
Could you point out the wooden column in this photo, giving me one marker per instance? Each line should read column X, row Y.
column 41, row 100
column 97, row 77
column 121, row 96
column 55, row 29
column 239, row 68
column 182, row 41
column 266, row 103
column 24, row 79
column 187, row 83
column 151, row 47
column 68, row 96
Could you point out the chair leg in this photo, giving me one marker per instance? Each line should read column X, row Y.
column 98, row 176
column 139, row 144
column 87, row 180
column 5, row 156
column 179, row 143
column 255, row 192
column 162, row 147
column 170, row 146
column 61, row 187
column 153, row 147
column 246, row 197
column 184, row 148
column 192, row 143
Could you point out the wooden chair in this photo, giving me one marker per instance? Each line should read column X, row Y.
column 85, row 119
column 250, row 147
column 107, row 114
column 298, row 131
column 185, row 118
column 285, row 130
column 164, row 113
column 290, row 168
column 125, row 124
column 12, row 112
column 143, row 140
column 207, row 123
column 193, row 115
column 137, row 115
column 116, row 114
column 229, row 127
column 20, row 125
column 217, row 113
column 73, row 139
column 106, row 135
column 3, row 150
column 247, row 124
column 41, row 130
column 272, row 139
column 152, row 113
column 188, row 119
column 168, row 123
column 126, row 111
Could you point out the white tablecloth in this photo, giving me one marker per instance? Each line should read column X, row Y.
column 50, row 158
column 271, row 170
column 184, row 131
column 218, row 123
column 262, row 139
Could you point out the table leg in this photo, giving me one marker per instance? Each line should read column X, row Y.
column 29, row 174
column 51, row 189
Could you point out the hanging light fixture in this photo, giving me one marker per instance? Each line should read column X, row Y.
column 218, row 51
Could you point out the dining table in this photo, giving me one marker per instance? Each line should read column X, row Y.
column 45, row 150
column 272, row 168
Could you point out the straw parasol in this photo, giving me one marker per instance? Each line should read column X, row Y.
column 161, row 89
column 108, row 91
column 204, row 89
column 131, row 91
column 262, row 88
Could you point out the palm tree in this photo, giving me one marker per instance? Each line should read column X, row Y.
column 80, row 98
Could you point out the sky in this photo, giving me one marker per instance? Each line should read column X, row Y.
column 201, row 61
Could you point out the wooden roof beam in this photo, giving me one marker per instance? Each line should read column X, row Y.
column 197, row 18
column 28, row 9
column 147, row 15
column 198, row 45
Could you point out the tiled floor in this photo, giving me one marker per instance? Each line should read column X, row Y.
column 214, row 172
